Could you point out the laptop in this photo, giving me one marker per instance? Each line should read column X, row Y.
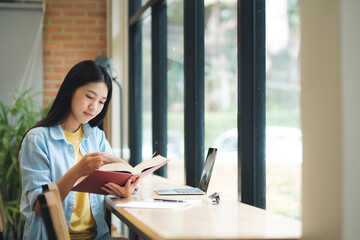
column 204, row 180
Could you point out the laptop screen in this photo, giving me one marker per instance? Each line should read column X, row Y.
column 208, row 167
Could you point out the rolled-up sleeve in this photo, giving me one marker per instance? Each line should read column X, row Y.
column 34, row 166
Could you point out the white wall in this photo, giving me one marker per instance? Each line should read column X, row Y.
column 330, row 118
column 119, row 56
column 350, row 85
column 20, row 49
column 321, row 119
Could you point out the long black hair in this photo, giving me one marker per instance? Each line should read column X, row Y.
column 79, row 75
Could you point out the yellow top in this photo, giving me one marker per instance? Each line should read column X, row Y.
column 82, row 223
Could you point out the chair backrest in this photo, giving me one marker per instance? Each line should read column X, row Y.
column 52, row 213
column 52, row 187
column 2, row 218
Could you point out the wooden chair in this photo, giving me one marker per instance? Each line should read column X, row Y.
column 52, row 212
column 2, row 219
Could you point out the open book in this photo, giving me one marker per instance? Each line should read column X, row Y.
column 117, row 171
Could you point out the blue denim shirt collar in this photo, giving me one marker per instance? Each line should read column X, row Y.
column 57, row 133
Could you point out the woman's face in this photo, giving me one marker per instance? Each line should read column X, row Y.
column 87, row 103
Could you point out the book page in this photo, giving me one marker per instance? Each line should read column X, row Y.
column 116, row 164
column 149, row 163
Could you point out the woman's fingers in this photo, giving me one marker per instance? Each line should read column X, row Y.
column 91, row 162
column 136, row 182
column 125, row 191
column 112, row 188
column 96, row 159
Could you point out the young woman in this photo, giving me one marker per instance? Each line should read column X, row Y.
column 66, row 145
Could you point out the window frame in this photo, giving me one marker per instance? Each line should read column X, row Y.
column 251, row 92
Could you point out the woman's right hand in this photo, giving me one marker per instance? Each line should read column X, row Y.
column 84, row 167
column 89, row 163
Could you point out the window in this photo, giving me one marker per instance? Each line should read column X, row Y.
column 221, row 93
column 146, row 86
column 222, row 96
column 283, row 134
column 175, row 75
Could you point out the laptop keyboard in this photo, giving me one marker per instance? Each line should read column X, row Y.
column 187, row 190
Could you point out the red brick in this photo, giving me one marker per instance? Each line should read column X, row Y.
column 52, row 76
column 52, row 29
column 62, row 37
column 52, row 61
column 87, row 53
column 57, row 85
column 51, row 13
column 85, row 21
column 61, row 69
column 47, row 69
column 46, row 37
column 85, row 37
column 71, row 61
column 102, row 37
column 47, row 53
column 101, row 22
column 62, row 5
column 64, row 53
column 62, row 21
column 102, row 5
column 75, row 29
column 52, row 45
column 74, row 14
column 96, row 45
column 47, row 85
column 85, row 6
column 97, row 14
column 73, row 45
column 97, row 30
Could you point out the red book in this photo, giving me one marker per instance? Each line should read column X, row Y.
column 118, row 171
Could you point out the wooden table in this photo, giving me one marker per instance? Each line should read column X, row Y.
column 228, row 220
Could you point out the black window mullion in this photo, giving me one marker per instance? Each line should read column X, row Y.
column 159, row 80
column 194, row 89
column 251, row 98
column 135, row 86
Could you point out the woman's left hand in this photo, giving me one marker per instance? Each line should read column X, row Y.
column 125, row 191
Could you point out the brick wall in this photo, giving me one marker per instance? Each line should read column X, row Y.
column 74, row 30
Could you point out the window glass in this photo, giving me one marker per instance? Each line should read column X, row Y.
column 221, row 93
column 175, row 74
column 146, row 87
column 283, row 134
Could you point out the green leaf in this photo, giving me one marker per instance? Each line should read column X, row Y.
column 8, row 216
column 15, row 120
column 9, row 172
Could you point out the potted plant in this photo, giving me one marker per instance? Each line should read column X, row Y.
column 15, row 120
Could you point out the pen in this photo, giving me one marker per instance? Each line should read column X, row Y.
column 167, row 200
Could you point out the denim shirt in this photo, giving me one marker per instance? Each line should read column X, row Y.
column 45, row 156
